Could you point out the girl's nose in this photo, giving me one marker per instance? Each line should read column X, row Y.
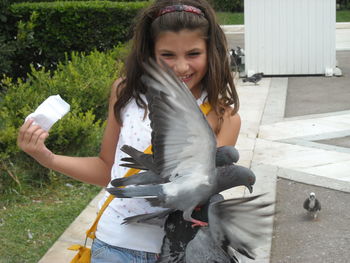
column 181, row 66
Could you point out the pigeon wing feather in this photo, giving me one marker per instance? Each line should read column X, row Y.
column 181, row 135
column 243, row 223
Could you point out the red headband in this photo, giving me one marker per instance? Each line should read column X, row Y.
column 180, row 8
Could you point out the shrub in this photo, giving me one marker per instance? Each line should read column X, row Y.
column 34, row 1
column 47, row 30
column 84, row 82
column 228, row 5
column 7, row 41
column 343, row 4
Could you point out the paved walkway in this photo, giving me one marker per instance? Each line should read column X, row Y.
column 273, row 146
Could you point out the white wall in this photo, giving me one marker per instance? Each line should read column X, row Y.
column 289, row 36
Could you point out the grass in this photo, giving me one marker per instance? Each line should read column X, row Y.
column 226, row 18
column 343, row 16
column 32, row 220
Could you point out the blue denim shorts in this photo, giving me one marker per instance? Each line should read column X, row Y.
column 104, row 253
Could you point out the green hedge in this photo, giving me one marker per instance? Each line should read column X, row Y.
column 47, row 30
column 343, row 4
column 238, row 5
column 228, row 5
column 35, row 1
column 84, row 82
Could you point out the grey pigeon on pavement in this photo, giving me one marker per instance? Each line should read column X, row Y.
column 312, row 205
column 234, row 60
column 254, row 78
column 240, row 51
column 184, row 149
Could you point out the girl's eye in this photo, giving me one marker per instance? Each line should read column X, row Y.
column 194, row 54
column 167, row 55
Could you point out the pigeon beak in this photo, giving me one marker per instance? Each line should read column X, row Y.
column 250, row 188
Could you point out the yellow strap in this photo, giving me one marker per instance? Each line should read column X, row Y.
column 205, row 107
column 91, row 231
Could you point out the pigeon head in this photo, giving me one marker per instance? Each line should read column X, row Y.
column 312, row 196
column 226, row 155
column 235, row 175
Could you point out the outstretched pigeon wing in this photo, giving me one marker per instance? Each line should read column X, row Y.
column 184, row 144
column 240, row 223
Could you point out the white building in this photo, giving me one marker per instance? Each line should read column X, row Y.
column 290, row 37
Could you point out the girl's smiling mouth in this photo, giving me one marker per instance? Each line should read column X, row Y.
column 186, row 78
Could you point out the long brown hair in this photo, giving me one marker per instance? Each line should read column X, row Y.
column 218, row 81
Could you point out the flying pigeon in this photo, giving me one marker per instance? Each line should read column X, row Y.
column 184, row 149
column 312, row 205
column 254, row 78
column 235, row 225
column 178, row 232
column 225, row 155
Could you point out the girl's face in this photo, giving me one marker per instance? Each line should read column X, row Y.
column 185, row 52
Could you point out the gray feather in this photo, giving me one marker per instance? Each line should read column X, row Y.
column 139, row 157
column 148, row 217
column 147, row 191
column 204, row 249
column 242, row 222
column 142, row 178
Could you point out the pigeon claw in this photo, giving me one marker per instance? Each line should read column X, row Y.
column 198, row 223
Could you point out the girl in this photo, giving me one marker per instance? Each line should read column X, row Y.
column 185, row 35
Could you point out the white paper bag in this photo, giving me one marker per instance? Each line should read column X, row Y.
column 49, row 111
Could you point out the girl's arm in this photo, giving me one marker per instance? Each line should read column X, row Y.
column 93, row 170
column 230, row 128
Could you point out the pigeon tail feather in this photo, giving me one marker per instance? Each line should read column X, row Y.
column 147, row 217
column 140, row 157
column 143, row 191
column 143, row 178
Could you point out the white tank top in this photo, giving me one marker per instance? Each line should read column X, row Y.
column 136, row 131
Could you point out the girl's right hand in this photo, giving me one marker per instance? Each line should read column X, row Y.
column 31, row 139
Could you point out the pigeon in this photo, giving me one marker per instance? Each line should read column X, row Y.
column 254, row 78
column 239, row 51
column 312, row 205
column 234, row 60
column 228, row 176
column 235, row 225
column 184, row 150
column 225, row 155
column 235, row 56
column 178, row 232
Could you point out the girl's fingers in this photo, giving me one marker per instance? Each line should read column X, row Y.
column 23, row 130
column 42, row 137
column 29, row 136
column 36, row 135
